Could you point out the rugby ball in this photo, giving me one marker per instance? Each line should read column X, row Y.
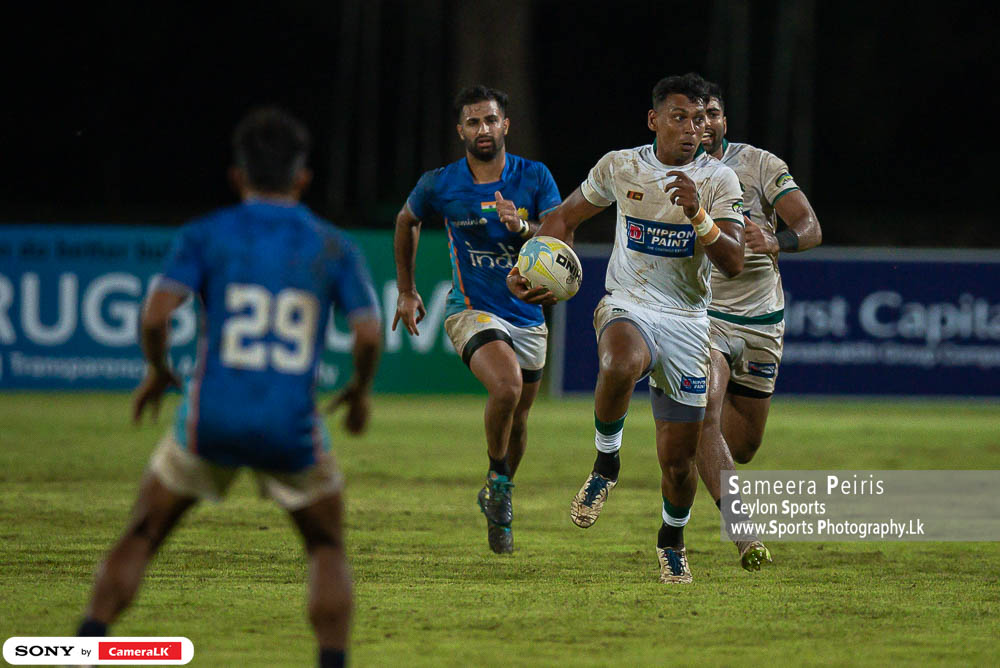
column 551, row 263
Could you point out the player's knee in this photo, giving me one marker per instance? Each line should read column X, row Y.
column 149, row 529
column 744, row 452
column 621, row 369
column 507, row 392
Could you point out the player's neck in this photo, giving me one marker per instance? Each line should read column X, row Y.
column 672, row 161
column 487, row 171
column 283, row 198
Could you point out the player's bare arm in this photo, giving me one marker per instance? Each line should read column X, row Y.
column 560, row 223
column 154, row 329
column 367, row 347
column 409, row 305
column 724, row 248
column 803, row 230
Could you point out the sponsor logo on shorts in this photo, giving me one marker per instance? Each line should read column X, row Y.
column 783, row 179
column 634, row 194
column 762, row 369
column 662, row 239
column 693, row 384
column 483, row 318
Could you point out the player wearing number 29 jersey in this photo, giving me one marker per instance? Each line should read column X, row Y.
column 266, row 274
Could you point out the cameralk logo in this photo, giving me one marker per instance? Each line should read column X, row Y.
column 71, row 651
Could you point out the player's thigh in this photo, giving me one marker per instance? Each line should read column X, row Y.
column 487, row 347
column 157, row 510
column 744, row 419
column 718, row 381
column 676, row 442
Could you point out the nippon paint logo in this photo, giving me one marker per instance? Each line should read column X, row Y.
column 122, row 651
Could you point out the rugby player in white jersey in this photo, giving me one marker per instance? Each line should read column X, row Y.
column 747, row 312
column 678, row 215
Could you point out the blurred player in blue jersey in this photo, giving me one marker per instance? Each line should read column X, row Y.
column 489, row 200
column 266, row 273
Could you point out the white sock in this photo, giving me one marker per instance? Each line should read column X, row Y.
column 606, row 443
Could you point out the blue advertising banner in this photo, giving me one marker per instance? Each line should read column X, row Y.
column 857, row 321
column 71, row 296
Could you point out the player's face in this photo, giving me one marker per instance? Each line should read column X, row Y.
column 715, row 126
column 482, row 129
column 679, row 124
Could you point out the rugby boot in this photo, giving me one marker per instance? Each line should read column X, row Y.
column 495, row 502
column 753, row 555
column 673, row 565
column 589, row 501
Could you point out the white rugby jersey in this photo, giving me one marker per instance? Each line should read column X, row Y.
column 755, row 294
column 655, row 261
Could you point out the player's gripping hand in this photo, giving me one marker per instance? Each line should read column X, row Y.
column 358, row 407
column 150, row 392
column 685, row 193
column 758, row 239
column 508, row 213
column 518, row 285
column 410, row 309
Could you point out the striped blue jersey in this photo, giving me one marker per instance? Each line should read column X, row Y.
column 482, row 249
column 266, row 275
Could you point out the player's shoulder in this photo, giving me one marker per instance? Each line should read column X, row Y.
column 634, row 159
column 711, row 168
column 748, row 154
column 527, row 165
column 335, row 241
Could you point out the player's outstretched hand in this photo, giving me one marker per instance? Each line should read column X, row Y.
column 358, row 407
column 518, row 285
column 410, row 309
column 150, row 392
column 685, row 193
column 507, row 213
column 758, row 239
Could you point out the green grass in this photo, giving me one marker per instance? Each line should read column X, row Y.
column 429, row 592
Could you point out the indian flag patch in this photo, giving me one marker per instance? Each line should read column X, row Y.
column 488, row 206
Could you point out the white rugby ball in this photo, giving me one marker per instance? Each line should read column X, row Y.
column 550, row 263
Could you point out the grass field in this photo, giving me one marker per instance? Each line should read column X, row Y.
column 429, row 592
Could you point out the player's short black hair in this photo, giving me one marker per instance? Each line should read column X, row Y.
column 271, row 145
column 480, row 93
column 715, row 90
column 690, row 85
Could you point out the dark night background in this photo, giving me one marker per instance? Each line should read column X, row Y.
column 121, row 113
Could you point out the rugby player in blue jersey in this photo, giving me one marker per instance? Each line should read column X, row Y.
column 265, row 273
column 489, row 201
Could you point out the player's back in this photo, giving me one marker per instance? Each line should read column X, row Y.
column 266, row 274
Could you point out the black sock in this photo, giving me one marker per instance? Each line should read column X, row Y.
column 332, row 658
column 500, row 466
column 91, row 627
column 608, row 464
column 670, row 536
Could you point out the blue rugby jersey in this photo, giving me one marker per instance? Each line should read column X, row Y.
column 266, row 274
column 482, row 249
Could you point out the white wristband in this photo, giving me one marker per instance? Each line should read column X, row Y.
column 525, row 230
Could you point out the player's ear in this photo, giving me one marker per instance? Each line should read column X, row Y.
column 651, row 120
column 302, row 179
column 458, row 129
column 506, row 125
column 238, row 179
